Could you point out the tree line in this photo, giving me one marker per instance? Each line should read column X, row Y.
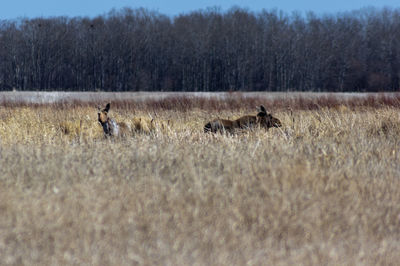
column 205, row 50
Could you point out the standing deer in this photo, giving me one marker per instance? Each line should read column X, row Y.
column 262, row 119
column 110, row 127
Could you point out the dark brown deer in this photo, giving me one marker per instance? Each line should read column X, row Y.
column 110, row 127
column 262, row 119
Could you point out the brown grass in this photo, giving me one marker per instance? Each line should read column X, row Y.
column 322, row 190
column 228, row 101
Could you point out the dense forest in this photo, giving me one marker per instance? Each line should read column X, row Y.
column 206, row 50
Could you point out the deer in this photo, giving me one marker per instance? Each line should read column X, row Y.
column 262, row 119
column 110, row 127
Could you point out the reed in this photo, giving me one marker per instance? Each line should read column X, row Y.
column 323, row 189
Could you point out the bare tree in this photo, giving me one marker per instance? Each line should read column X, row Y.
column 205, row 50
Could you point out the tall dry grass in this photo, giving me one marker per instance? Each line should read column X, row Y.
column 322, row 190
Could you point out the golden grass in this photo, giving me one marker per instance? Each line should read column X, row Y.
column 324, row 189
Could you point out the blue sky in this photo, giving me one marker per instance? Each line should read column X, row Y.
column 10, row 9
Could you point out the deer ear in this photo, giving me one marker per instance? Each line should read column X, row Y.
column 107, row 107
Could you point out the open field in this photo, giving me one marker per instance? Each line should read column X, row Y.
column 41, row 97
column 322, row 190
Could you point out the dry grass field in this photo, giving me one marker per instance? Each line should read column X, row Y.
column 324, row 189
